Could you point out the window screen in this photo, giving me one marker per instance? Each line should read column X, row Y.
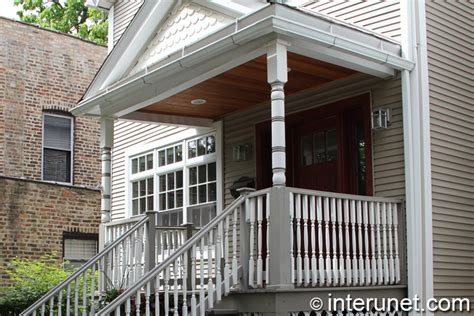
column 57, row 148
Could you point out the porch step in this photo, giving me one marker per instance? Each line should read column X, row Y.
column 224, row 312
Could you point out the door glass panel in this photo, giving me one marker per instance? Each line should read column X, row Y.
column 307, row 150
column 319, row 147
column 331, row 145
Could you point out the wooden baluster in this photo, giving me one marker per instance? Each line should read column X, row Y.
column 175, row 286
column 312, row 215
column 251, row 211
column 201, row 285
column 267, row 258
column 361, row 242
column 305, row 212
column 51, row 306
column 341, row 242
column 335, row 264
column 157, row 295
column 138, row 303
column 299, row 260
column 379, row 244
column 43, row 310
column 217, row 251
column 184, row 280
column 365, row 220
column 292, row 252
column 355, row 270
column 235, row 244
column 226, row 255
column 384, row 243
column 259, row 241
column 76, row 296
column 128, row 307
column 328, row 242
column 395, row 229
column 373, row 261
column 210, row 284
column 84, row 293
column 319, row 217
column 92, row 311
column 391, row 262
column 60, row 300
column 166, row 300
column 348, row 244
column 193, row 281
column 68, row 300
column 147, row 298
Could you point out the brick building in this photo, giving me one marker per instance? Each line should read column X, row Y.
column 49, row 160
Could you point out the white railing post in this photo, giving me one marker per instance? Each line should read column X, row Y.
column 150, row 240
column 244, row 238
column 280, row 236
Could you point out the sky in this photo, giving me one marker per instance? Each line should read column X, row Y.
column 7, row 9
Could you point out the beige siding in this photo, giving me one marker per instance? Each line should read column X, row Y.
column 387, row 144
column 450, row 51
column 127, row 135
column 382, row 17
column 124, row 11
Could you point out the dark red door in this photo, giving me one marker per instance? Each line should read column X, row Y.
column 328, row 148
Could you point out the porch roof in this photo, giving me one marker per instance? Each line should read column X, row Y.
column 328, row 49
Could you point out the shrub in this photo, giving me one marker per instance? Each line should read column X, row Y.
column 31, row 280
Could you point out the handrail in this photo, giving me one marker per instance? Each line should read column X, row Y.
column 168, row 261
column 81, row 270
column 345, row 196
column 124, row 221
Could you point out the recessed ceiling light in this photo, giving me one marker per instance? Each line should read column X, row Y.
column 198, row 101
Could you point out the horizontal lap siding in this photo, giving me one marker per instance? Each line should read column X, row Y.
column 129, row 134
column 388, row 157
column 124, row 11
column 382, row 17
column 450, row 51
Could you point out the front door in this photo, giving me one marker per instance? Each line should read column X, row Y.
column 328, row 148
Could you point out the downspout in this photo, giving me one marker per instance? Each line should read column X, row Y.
column 416, row 131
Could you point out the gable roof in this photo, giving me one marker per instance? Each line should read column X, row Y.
column 315, row 36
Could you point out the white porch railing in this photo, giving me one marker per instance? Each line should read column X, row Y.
column 343, row 240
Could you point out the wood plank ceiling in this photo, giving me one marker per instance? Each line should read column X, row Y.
column 246, row 85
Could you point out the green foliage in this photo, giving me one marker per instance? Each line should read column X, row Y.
column 67, row 16
column 31, row 280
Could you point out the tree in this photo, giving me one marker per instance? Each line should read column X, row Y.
column 67, row 16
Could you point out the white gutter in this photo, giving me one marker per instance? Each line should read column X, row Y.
column 240, row 33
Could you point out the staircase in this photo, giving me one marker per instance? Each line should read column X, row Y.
column 147, row 269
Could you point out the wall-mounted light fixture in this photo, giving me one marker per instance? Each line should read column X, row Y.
column 380, row 118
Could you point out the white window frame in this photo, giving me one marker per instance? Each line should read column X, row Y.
column 65, row 116
column 184, row 165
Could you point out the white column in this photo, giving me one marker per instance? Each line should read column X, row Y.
column 277, row 76
column 106, row 144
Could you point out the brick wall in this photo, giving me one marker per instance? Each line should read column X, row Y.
column 34, row 215
column 44, row 70
column 41, row 69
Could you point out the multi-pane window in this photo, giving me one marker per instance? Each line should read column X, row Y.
column 57, row 147
column 201, row 146
column 202, row 184
column 142, row 196
column 170, row 155
column 142, row 163
column 170, row 188
column 185, row 175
